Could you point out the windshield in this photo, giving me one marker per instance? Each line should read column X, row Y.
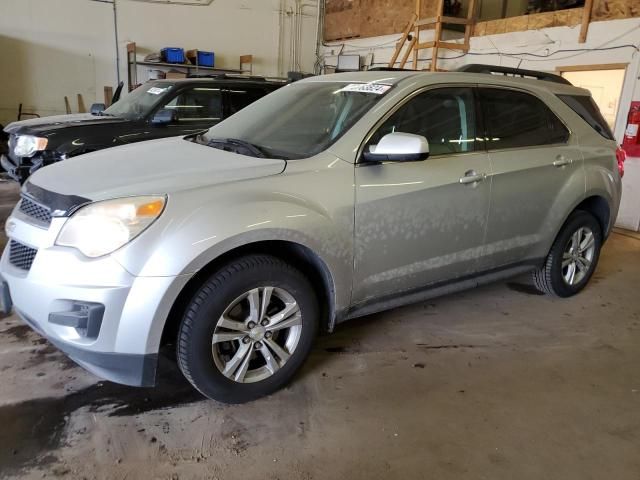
column 140, row 102
column 301, row 119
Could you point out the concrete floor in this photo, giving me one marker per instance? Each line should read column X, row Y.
column 495, row 383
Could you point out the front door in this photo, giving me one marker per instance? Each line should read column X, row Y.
column 424, row 222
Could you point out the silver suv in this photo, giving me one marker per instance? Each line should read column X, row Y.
column 331, row 198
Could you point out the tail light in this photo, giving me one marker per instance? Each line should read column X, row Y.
column 621, row 156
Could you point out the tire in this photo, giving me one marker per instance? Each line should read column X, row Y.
column 554, row 278
column 239, row 370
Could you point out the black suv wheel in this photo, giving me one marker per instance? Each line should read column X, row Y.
column 248, row 329
column 573, row 256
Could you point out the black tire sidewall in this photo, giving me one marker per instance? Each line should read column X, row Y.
column 231, row 281
column 577, row 220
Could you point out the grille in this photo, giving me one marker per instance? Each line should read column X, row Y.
column 20, row 255
column 35, row 210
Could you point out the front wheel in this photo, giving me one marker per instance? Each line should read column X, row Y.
column 573, row 257
column 248, row 329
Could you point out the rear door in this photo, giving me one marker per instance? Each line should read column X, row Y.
column 534, row 159
column 423, row 222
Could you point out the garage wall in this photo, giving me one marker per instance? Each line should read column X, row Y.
column 53, row 48
column 613, row 41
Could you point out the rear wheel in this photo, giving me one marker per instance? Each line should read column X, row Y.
column 248, row 329
column 573, row 257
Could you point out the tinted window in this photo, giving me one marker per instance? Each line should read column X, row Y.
column 241, row 97
column 301, row 119
column 199, row 103
column 141, row 101
column 446, row 117
column 517, row 119
column 588, row 110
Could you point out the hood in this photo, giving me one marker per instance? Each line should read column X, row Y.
column 48, row 125
column 147, row 168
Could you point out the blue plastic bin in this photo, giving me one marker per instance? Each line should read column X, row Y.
column 206, row 59
column 172, row 55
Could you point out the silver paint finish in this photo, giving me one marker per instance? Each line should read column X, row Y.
column 377, row 230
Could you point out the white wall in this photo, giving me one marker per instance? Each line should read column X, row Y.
column 53, row 48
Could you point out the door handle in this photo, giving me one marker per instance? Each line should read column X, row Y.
column 471, row 177
column 561, row 161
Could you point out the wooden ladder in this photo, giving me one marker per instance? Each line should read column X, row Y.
column 416, row 24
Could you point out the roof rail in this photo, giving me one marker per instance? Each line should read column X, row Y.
column 389, row 69
column 516, row 72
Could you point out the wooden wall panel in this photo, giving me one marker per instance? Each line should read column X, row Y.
column 561, row 18
column 613, row 9
column 342, row 19
column 370, row 18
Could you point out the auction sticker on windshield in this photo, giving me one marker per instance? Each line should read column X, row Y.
column 156, row 90
column 366, row 88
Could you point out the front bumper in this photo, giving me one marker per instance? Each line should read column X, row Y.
column 124, row 346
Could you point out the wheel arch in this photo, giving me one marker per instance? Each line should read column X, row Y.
column 296, row 254
column 597, row 206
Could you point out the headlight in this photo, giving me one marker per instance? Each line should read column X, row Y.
column 103, row 227
column 27, row 145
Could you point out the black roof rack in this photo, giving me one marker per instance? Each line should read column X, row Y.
column 389, row 69
column 516, row 72
column 237, row 76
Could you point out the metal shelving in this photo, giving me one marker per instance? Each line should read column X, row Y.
column 133, row 63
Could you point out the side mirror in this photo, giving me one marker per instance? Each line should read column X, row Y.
column 398, row 147
column 97, row 108
column 164, row 117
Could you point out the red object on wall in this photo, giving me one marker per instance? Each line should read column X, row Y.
column 621, row 157
column 631, row 141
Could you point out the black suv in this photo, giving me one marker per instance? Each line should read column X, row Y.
column 157, row 109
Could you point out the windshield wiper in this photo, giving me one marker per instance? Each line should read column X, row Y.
column 236, row 145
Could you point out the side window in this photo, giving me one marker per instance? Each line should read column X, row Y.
column 588, row 110
column 241, row 97
column 446, row 117
column 518, row 119
column 197, row 104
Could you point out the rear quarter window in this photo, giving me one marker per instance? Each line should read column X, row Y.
column 587, row 109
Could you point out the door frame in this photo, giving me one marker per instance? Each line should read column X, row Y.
column 620, row 121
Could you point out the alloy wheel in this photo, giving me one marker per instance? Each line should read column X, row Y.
column 578, row 255
column 256, row 334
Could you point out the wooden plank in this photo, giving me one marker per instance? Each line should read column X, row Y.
column 403, row 40
column 541, row 20
column 411, row 46
column 601, row 66
column 614, row 9
column 586, row 18
column 471, row 19
column 422, row 46
column 108, row 96
column 423, row 22
column 67, row 105
column 416, row 33
column 81, row 107
column 342, row 19
column 479, row 29
column 436, row 38
column 455, row 20
column 453, row 46
column 517, row 24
